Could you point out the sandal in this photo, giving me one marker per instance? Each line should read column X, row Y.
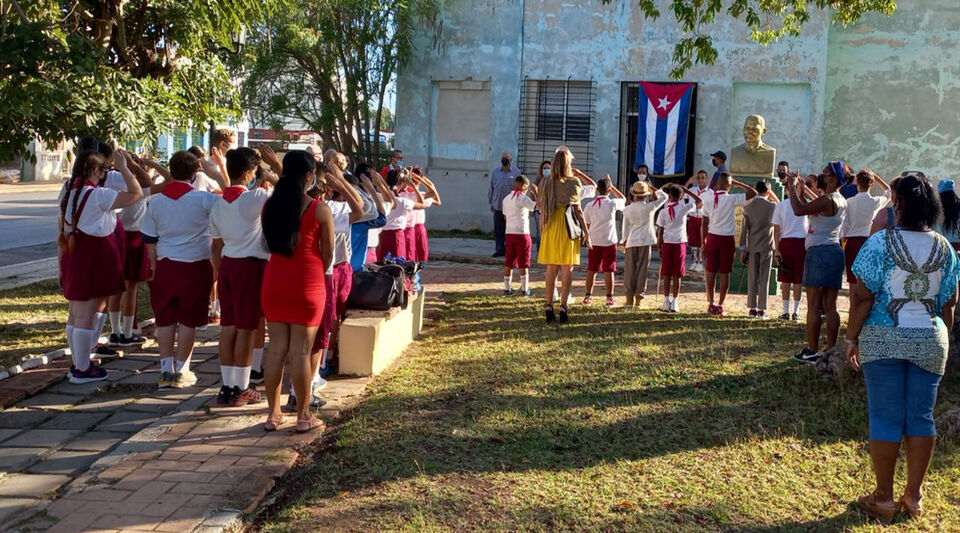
column 914, row 511
column 586, row 300
column 550, row 314
column 564, row 318
column 883, row 511
column 273, row 423
column 307, row 424
column 610, row 302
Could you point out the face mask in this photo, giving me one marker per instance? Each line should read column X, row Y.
column 504, row 161
column 546, row 172
column 781, row 175
column 312, row 185
column 822, row 182
column 400, row 163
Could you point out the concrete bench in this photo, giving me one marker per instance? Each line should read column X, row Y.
column 371, row 340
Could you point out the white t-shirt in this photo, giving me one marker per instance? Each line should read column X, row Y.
column 202, row 182
column 638, row 225
column 181, row 226
column 516, row 209
column 791, row 226
column 373, row 234
column 131, row 216
column 397, row 217
column 341, row 232
column 600, row 214
column 238, row 224
column 97, row 217
column 721, row 206
column 697, row 211
column 420, row 215
column 410, row 217
column 675, row 229
column 861, row 209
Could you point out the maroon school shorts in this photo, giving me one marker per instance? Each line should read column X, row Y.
column 422, row 243
column 693, row 231
column 602, row 259
column 793, row 252
column 392, row 241
column 718, row 252
column 180, row 292
column 851, row 247
column 410, row 236
column 238, row 286
column 518, row 251
column 136, row 264
column 673, row 260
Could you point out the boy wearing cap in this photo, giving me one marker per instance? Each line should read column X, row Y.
column 639, row 236
column 517, row 207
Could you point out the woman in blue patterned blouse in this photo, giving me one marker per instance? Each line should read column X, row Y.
column 898, row 335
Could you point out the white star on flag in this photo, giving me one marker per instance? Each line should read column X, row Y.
column 663, row 103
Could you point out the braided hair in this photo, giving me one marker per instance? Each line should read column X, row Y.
column 83, row 166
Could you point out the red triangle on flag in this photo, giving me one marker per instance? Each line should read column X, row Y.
column 664, row 97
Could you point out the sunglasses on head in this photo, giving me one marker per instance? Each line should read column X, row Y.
column 912, row 173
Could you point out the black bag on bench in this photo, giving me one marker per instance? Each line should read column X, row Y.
column 375, row 291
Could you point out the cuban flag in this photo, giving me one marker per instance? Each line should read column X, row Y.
column 663, row 126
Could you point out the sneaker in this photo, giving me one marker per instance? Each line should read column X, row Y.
column 103, row 349
column 753, row 313
column 610, row 302
column 114, row 339
column 132, row 340
column 256, row 377
column 807, row 356
column 290, row 406
column 586, row 300
column 761, row 315
column 785, row 317
column 316, row 401
column 795, row 317
column 525, row 293
column 674, row 307
column 184, row 379
column 245, row 396
column 508, row 292
column 665, row 306
column 721, row 311
column 166, row 380
column 225, row 395
column 92, row 373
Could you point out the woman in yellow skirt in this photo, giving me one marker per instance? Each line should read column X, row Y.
column 558, row 252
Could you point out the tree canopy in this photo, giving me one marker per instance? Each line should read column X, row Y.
column 124, row 69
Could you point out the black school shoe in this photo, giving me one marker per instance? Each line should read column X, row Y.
column 256, row 377
column 225, row 395
column 103, row 349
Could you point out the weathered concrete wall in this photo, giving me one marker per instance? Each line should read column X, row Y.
column 893, row 91
column 504, row 41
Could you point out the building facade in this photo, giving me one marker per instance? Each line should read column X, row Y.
column 524, row 76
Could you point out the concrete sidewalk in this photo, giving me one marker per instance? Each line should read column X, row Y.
column 30, row 186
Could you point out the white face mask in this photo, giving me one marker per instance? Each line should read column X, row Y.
column 546, row 172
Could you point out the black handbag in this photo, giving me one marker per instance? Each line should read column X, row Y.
column 374, row 291
column 573, row 227
column 399, row 276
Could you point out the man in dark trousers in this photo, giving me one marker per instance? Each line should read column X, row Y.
column 501, row 184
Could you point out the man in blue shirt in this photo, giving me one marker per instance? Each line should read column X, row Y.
column 719, row 161
column 501, row 184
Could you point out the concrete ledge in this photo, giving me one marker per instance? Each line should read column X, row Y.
column 371, row 340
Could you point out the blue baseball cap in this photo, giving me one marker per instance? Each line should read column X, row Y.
column 945, row 185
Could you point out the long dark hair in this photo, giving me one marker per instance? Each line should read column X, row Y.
column 85, row 163
column 917, row 202
column 281, row 214
column 951, row 212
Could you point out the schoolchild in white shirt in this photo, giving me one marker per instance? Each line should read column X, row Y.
column 719, row 225
column 176, row 230
column 672, row 221
column 698, row 185
column 639, row 236
column 600, row 214
column 517, row 207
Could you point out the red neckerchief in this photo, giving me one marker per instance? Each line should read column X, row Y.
column 233, row 192
column 516, row 194
column 598, row 201
column 175, row 189
column 671, row 209
column 84, row 183
column 716, row 197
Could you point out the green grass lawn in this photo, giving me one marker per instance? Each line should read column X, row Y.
column 622, row 421
column 33, row 317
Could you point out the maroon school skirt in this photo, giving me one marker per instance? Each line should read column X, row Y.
column 423, row 246
column 94, row 269
column 392, row 241
column 136, row 264
column 410, row 236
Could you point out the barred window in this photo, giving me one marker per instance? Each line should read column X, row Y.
column 563, row 111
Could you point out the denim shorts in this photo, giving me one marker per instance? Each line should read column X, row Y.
column 900, row 399
column 823, row 266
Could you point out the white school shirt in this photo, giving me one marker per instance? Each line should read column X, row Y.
column 861, row 208
column 341, row 232
column 238, row 224
column 721, row 207
column 373, row 234
column 202, row 182
column 638, row 228
column 97, row 218
column 408, row 220
column 397, row 216
column 600, row 214
column 516, row 209
column 697, row 211
column 181, row 226
column 131, row 216
column 420, row 215
column 675, row 231
column 791, row 226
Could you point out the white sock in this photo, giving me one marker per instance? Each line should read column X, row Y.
column 786, row 307
column 183, row 366
column 127, row 326
column 257, row 359
column 166, row 364
column 115, row 322
column 226, row 375
column 73, row 352
column 243, row 377
column 83, row 339
column 525, row 282
column 507, row 281
column 796, row 306
column 98, row 321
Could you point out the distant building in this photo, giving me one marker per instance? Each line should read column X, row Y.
column 525, row 76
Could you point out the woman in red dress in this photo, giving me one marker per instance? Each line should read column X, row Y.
column 299, row 235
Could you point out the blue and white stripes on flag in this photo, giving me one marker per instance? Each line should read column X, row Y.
column 663, row 127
